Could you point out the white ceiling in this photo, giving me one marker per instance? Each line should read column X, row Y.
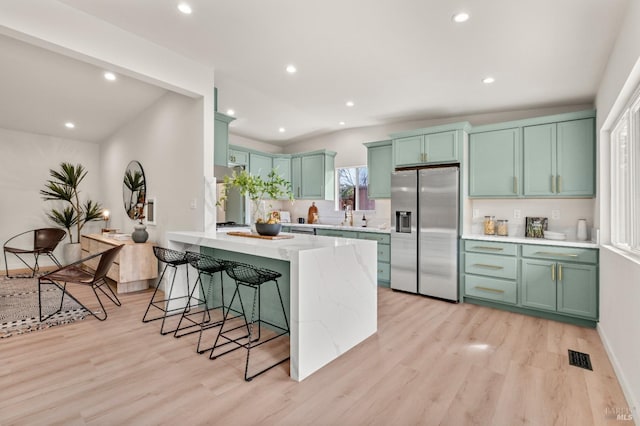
column 398, row 60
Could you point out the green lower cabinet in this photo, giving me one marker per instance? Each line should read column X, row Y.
column 539, row 285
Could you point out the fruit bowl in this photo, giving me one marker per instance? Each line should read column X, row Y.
column 268, row 229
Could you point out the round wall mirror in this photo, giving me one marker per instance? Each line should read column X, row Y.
column 134, row 190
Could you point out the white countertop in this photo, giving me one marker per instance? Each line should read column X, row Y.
column 283, row 249
column 340, row 227
column 538, row 241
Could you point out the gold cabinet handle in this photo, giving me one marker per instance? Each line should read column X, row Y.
column 515, row 185
column 548, row 253
column 553, row 272
column 559, row 181
column 492, row 290
column 559, row 272
column 488, row 248
column 426, row 157
column 553, row 183
column 484, row 265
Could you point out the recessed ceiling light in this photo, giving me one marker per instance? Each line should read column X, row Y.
column 349, row 103
column 461, row 17
column 281, row 129
column 109, row 76
column 341, row 123
column 185, row 8
column 488, row 80
column 291, row 69
column 230, row 112
column 69, row 125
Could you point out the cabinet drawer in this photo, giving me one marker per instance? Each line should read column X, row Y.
column 563, row 254
column 490, row 289
column 491, row 265
column 380, row 238
column 507, row 249
column 336, row 233
column 384, row 253
column 384, row 271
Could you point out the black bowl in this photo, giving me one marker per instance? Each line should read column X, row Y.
column 268, row 229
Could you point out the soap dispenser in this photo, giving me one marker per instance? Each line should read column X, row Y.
column 364, row 221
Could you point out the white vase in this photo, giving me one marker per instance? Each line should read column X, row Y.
column 581, row 231
column 71, row 252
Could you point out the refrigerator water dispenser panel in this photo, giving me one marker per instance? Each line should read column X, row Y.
column 403, row 222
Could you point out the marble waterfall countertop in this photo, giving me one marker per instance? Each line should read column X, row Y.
column 333, row 289
column 526, row 240
column 385, row 230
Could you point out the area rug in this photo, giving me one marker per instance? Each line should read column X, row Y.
column 19, row 306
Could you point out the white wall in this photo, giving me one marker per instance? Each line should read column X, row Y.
column 254, row 144
column 619, row 285
column 167, row 140
column 25, row 161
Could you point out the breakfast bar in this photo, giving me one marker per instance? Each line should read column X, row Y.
column 332, row 288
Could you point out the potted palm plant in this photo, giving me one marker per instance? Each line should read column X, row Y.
column 259, row 190
column 64, row 186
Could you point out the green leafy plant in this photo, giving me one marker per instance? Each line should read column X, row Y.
column 134, row 181
column 258, row 189
column 64, row 186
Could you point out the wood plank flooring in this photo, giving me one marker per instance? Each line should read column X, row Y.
column 430, row 363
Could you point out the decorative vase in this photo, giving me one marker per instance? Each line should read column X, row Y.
column 258, row 211
column 140, row 235
column 268, row 229
column 581, row 232
column 71, row 252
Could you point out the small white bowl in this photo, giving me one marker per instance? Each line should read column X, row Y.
column 550, row 235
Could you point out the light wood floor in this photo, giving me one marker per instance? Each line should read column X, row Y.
column 431, row 362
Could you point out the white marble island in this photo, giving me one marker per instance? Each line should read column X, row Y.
column 333, row 289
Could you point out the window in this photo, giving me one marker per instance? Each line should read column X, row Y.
column 625, row 178
column 353, row 189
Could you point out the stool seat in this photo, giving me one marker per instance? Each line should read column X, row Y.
column 251, row 275
column 171, row 257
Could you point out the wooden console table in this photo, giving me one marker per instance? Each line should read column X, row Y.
column 134, row 267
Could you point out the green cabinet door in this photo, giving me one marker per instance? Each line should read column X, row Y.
column 577, row 289
column 538, row 284
column 313, row 178
column 221, row 138
column 408, row 151
column 238, row 157
column 296, row 176
column 282, row 165
column 576, row 158
column 494, row 164
column 380, row 166
column 539, row 148
column 441, row 147
column 260, row 165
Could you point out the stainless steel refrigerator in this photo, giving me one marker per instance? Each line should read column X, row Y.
column 424, row 231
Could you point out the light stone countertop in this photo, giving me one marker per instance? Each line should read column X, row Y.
column 339, row 227
column 538, row 241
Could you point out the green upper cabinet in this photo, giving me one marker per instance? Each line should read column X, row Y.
column 282, row 165
column 379, row 166
column 559, row 159
column 260, row 165
column 221, row 138
column 238, row 157
column 313, row 175
column 432, row 145
column 494, row 164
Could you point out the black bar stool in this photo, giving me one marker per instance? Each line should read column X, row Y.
column 173, row 259
column 253, row 278
column 205, row 265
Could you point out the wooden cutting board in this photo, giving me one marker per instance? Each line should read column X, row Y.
column 264, row 237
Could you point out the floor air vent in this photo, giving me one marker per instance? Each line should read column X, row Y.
column 580, row 359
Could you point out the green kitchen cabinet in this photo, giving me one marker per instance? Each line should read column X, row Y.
column 539, row 284
column 313, row 175
column 260, row 165
column 238, row 157
column 221, row 138
column 282, row 165
column 494, row 164
column 559, row 159
column 380, row 166
column 426, row 149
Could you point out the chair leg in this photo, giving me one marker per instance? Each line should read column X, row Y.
column 185, row 313
column 221, row 330
column 152, row 301
column 113, row 299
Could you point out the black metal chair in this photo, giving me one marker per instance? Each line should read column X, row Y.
column 76, row 274
column 209, row 266
column 171, row 259
column 251, row 277
column 45, row 241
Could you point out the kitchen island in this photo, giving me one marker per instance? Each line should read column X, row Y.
column 332, row 288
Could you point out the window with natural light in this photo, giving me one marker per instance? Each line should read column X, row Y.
column 353, row 189
column 625, row 178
